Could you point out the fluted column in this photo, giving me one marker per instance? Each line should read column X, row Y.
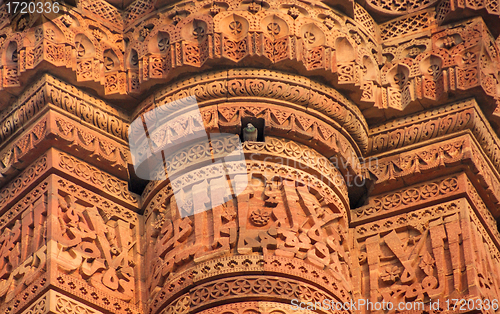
column 258, row 231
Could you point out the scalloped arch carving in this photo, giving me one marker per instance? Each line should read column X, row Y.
column 234, row 26
column 275, row 27
column 84, row 47
column 312, row 35
column 268, row 34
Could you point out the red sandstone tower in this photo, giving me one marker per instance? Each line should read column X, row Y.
column 374, row 174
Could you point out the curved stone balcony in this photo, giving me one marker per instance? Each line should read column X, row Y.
column 230, row 221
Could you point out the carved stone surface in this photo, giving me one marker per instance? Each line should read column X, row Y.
column 96, row 246
column 414, row 264
column 447, row 156
column 56, row 303
column 53, row 129
column 356, row 51
column 375, row 172
column 271, row 217
column 23, row 245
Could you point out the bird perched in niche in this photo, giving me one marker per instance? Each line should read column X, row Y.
column 250, row 133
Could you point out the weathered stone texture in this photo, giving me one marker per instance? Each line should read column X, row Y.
column 375, row 174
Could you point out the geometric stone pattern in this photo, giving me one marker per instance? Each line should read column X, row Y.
column 376, row 173
column 273, row 229
column 352, row 51
column 435, row 257
column 53, row 302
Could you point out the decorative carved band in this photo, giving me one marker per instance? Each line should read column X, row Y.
column 408, row 24
column 427, row 158
column 299, row 156
column 463, row 115
column 287, row 90
column 291, row 279
column 112, row 210
column 227, row 118
column 250, row 287
column 56, row 303
column 115, row 189
column 49, row 90
column 96, row 178
column 252, row 307
column 40, row 306
column 58, row 131
column 417, row 195
column 15, row 188
column 285, row 152
column 332, row 194
column 22, row 151
column 412, row 219
column 395, row 8
column 446, row 156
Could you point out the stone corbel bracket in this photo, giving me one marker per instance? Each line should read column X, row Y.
column 421, row 62
column 436, row 62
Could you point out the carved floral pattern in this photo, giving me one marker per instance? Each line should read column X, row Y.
column 276, row 40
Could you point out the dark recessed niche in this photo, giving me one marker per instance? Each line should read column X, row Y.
column 259, row 123
column 136, row 184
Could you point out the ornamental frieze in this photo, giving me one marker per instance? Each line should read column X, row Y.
column 249, row 157
column 412, row 261
column 354, row 52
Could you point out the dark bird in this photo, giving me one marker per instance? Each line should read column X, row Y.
column 250, row 133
